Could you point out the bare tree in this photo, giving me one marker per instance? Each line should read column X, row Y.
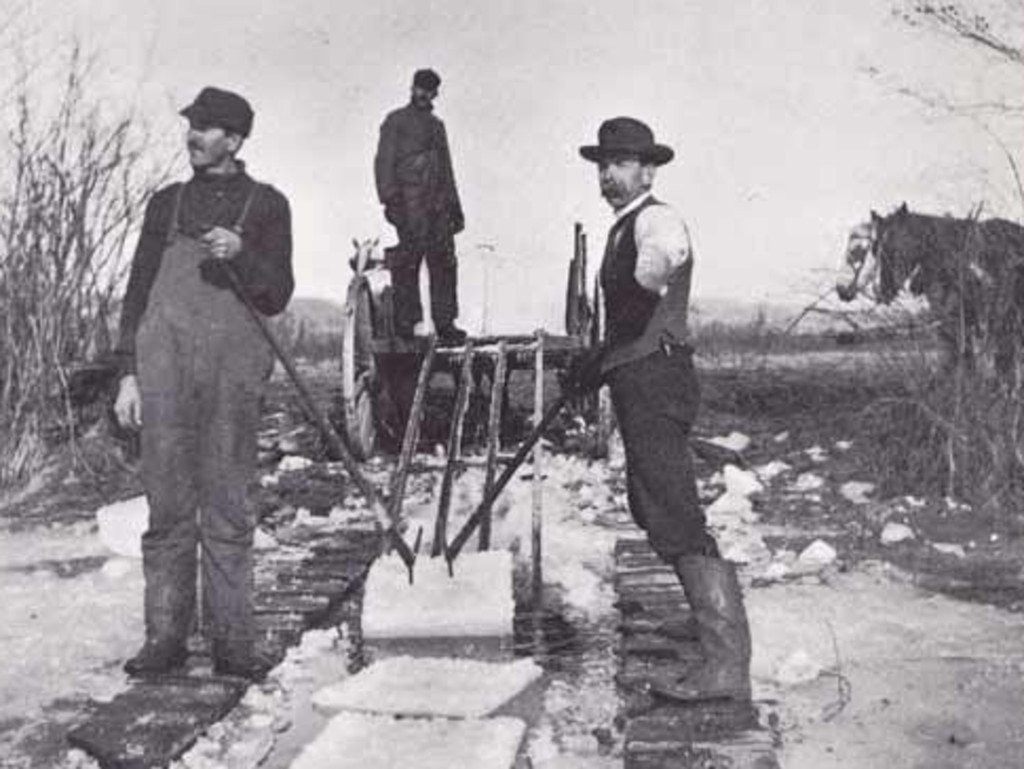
column 994, row 27
column 973, row 24
column 71, row 196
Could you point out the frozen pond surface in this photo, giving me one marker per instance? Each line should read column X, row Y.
column 927, row 681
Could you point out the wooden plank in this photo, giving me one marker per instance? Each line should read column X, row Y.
column 679, row 623
column 287, row 603
column 707, row 735
column 154, row 722
column 687, row 724
column 654, row 645
column 329, row 588
column 639, row 672
column 647, row 578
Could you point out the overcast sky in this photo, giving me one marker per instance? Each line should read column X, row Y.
column 784, row 114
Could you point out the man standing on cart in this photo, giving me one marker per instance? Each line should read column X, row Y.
column 416, row 185
column 647, row 363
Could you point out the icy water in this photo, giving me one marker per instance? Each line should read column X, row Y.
column 570, row 631
column 570, row 711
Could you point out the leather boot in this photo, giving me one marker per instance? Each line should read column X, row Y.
column 240, row 659
column 157, row 657
column 450, row 335
column 169, row 596
column 713, row 590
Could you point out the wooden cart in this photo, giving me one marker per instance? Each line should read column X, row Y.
column 379, row 370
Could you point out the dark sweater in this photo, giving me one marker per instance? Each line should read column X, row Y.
column 413, row 165
column 264, row 265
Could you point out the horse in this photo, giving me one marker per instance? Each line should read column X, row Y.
column 970, row 272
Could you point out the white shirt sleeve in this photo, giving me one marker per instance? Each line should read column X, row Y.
column 662, row 245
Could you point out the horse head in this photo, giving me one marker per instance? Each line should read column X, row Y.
column 859, row 264
column 900, row 250
column 883, row 256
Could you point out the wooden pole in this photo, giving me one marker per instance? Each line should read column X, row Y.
column 538, row 455
column 493, row 437
column 335, row 444
column 412, row 432
column 514, row 464
column 454, row 447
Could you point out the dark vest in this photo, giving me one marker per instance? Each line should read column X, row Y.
column 639, row 321
column 628, row 305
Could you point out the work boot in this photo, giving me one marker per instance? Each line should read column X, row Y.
column 713, row 590
column 157, row 658
column 450, row 335
column 240, row 659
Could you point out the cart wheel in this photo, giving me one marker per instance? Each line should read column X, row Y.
column 360, row 422
column 604, row 422
column 358, row 370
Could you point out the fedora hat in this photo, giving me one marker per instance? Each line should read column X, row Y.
column 627, row 137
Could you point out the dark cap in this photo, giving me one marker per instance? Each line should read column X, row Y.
column 627, row 137
column 426, row 79
column 224, row 109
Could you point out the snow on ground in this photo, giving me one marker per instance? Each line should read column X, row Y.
column 866, row 669
column 64, row 636
column 898, row 677
column 275, row 720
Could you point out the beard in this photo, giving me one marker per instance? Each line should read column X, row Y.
column 615, row 194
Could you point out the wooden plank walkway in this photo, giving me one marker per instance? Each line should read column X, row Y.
column 155, row 721
column 661, row 735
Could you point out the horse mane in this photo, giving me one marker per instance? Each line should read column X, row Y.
column 919, row 247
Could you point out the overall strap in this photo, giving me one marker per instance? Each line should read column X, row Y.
column 240, row 223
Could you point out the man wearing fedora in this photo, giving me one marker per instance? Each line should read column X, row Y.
column 416, row 185
column 194, row 365
column 648, row 364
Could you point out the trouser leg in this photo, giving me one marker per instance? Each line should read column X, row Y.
column 443, row 270
column 230, row 398
column 169, row 469
column 656, row 401
column 404, row 266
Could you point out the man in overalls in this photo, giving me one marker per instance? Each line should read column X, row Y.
column 648, row 365
column 194, row 368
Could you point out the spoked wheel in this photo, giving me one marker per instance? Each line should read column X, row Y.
column 359, row 370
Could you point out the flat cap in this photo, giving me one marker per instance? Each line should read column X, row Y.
column 224, row 109
column 426, row 79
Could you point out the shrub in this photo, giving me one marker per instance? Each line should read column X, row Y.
column 70, row 198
